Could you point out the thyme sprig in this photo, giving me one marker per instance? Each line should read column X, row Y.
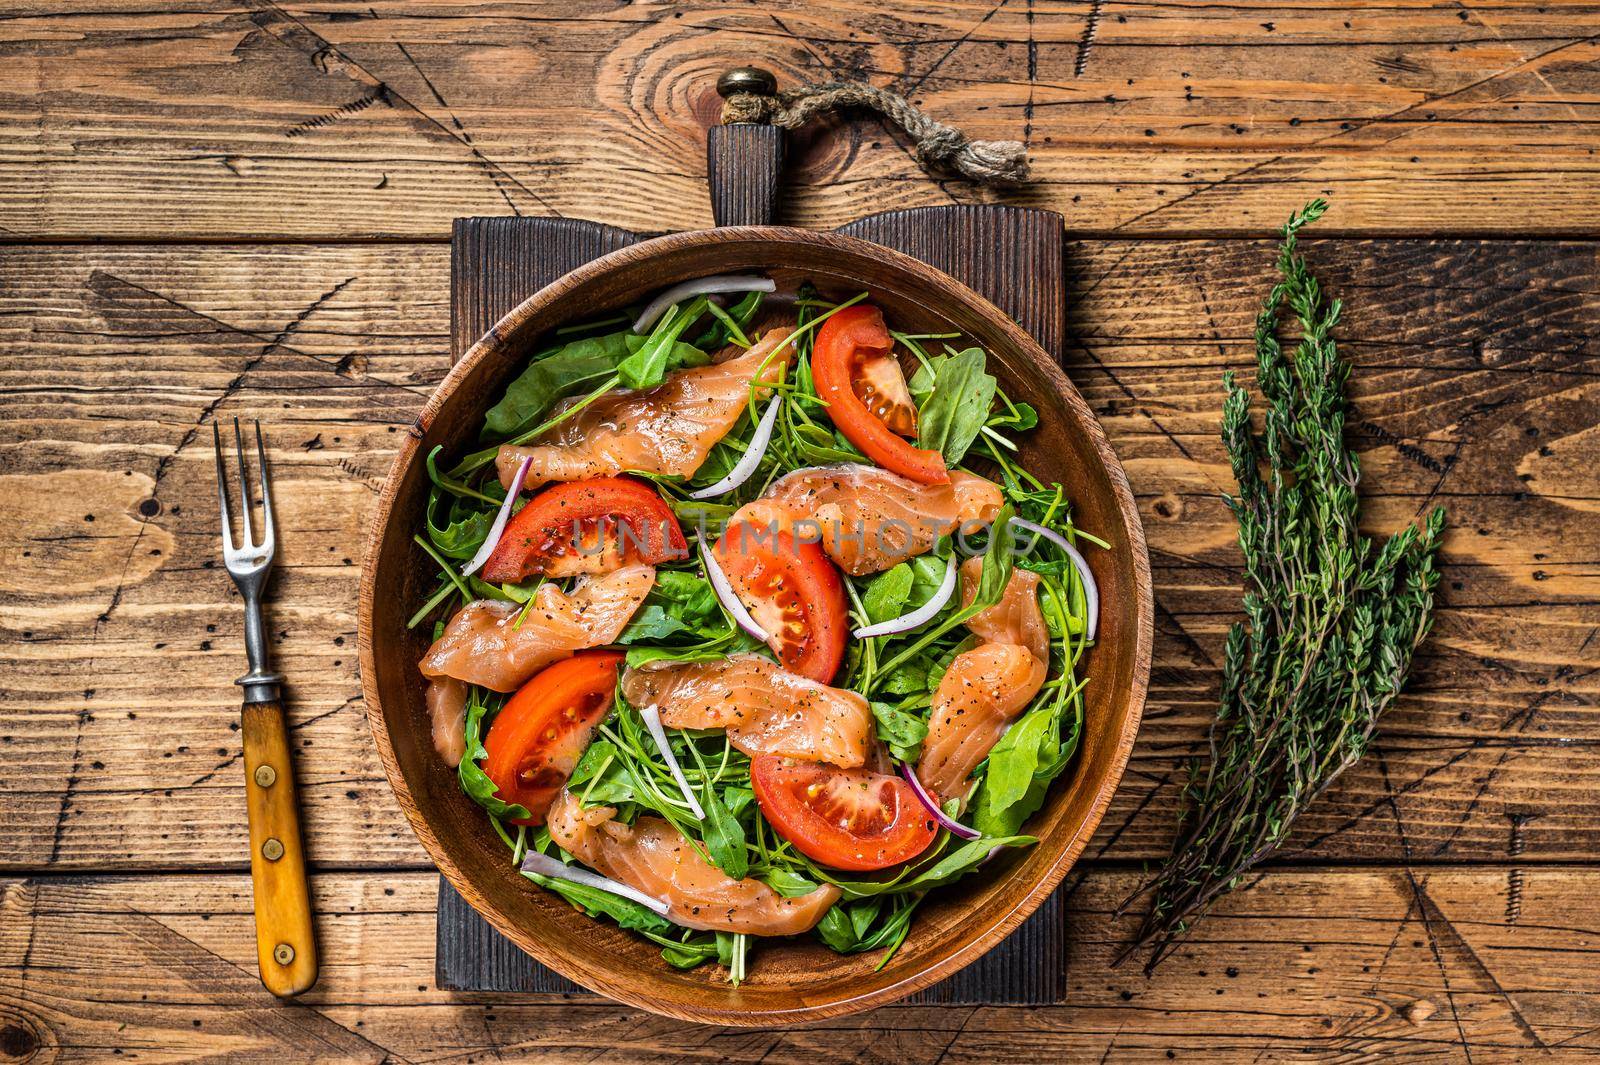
column 1330, row 623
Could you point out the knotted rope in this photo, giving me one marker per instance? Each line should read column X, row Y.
column 938, row 146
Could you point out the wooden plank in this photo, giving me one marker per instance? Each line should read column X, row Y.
column 1350, row 964
column 241, row 119
column 1476, row 384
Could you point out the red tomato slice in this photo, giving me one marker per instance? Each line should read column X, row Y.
column 843, row 818
column 541, row 732
column 586, row 527
column 881, row 385
column 844, row 342
column 793, row 592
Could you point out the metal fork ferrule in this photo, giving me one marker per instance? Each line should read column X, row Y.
column 260, row 687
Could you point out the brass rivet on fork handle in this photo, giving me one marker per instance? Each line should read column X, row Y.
column 272, row 849
column 266, row 776
column 283, row 954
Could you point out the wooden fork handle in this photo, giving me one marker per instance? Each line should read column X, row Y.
column 286, row 946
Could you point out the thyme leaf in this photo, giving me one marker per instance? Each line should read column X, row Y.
column 1330, row 622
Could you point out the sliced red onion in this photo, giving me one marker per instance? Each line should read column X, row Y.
column 492, row 541
column 700, row 287
column 920, row 616
column 1091, row 591
column 725, row 595
column 956, row 828
column 749, row 460
column 544, row 865
column 652, row 721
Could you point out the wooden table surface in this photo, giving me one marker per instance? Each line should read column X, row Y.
column 219, row 208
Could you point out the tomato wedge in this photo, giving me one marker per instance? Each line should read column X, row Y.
column 881, row 385
column 851, row 819
column 793, row 592
column 586, row 527
column 541, row 732
column 854, row 336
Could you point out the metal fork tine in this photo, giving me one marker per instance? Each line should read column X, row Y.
column 266, row 494
column 222, row 491
column 244, row 487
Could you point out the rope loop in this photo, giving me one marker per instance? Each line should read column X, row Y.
column 939, row 147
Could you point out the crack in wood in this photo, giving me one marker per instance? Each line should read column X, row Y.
column 1354, row 127
column 355, row 71
column 1091, row 27
column 1418, row 897
column 355, row 107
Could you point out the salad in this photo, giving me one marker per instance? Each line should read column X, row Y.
column 750, row 623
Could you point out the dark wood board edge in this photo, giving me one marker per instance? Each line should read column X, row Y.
column 1014, row 257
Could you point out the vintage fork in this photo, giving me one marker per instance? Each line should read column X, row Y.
column 286, row 948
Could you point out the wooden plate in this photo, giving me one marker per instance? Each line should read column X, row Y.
column 798, row 980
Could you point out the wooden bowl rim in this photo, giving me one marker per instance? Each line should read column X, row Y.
column 1069, row 849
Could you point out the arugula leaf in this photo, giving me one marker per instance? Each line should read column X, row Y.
column 912, row 678
column 474, row 781
column 1022, row 767
column 652, row 622
column 741, row 314
column 602, row 776
column 554, row 374
column 1015, row 758
column 626, row 912
column 579, row 364
column 732, row 642
column 463, row 531
column 788, row 883
column 724, row 836
column 1020, row 418
column 690, row 954
column 818, row 446
column 959, row 404
column 956, row 406
column 661, row 351
column 901, row 730
column 886, row 594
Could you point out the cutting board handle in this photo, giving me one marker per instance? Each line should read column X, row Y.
column 744, row 159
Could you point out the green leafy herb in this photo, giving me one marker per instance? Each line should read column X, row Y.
column 1330, row 624
column 474, row 781
column 555, row 374
column 957, row 396
column 724, row 837
column 731, row 323
column 661, row 352
column 902, row 730
column 921, row 876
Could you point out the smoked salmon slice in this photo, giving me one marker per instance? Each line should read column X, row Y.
column 653, row 857
column 1016, row 618
column 867, row 518
column 667, row 430
column 764, row 708
column 447, row 713
column 483, row 644
column 980, row 694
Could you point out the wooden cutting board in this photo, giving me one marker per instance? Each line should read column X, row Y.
column 1011, row 255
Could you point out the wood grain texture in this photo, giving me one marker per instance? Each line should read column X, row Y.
column 286, row 943
column 744, row 166
column 141, row 119
column 1475, row 379
column 1351, row 965
column 1475, row 383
